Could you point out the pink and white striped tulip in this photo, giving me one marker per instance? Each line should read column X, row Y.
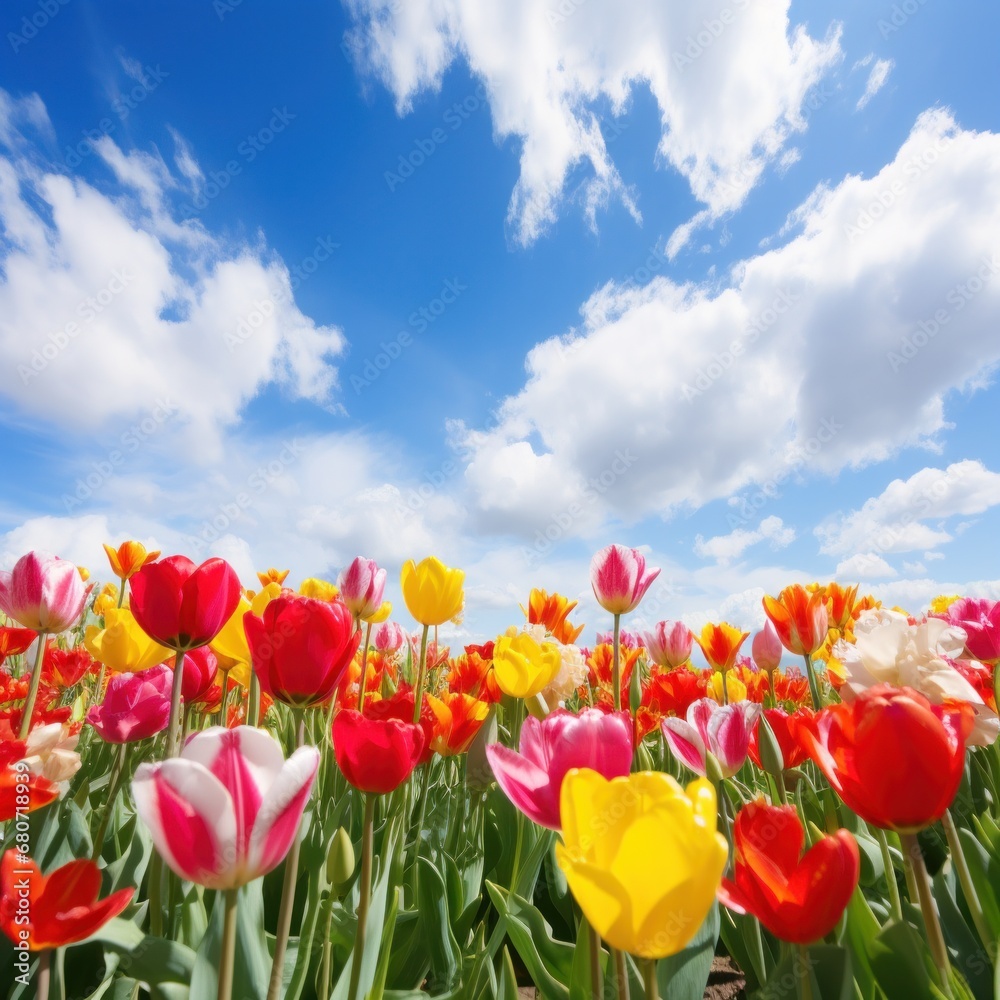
column 669, row 644
column 532, row 778
column 227, row 810
column 766, row 648
column 389, row 637
column 361, row 587
column 723, row 731
column 619, row 577
column 43, row 592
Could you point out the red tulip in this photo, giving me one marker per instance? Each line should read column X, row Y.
column 65, row 667
column 376, row 755
column 181, row 605
column 14, row 641
column 49, row 911
column 401, row 706
column 783, row 726
column 892, row 756
column 799, row 618
column 798, row 898
column 301, row 648
column 16, row 781
column 135, row 706
column 200, row 667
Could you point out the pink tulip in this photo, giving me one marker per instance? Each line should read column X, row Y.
column 227, row 810
column 532, row 779
column 767, row 648
column 389, row 637
column 135, row 706
column 361, row 587
column 628, row 640
column 980, row 618
column 710, row 728
column 619, row 577
column 669, row 644
column 42, row 592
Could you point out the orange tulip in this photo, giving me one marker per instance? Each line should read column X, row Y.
column 721, row 644
column 272, row 575
column 129, row 558
column 551, row 610
column 799, row 618
column 458, row 718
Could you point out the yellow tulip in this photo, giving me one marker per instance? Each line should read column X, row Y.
column 524, row 667
column 736, row 690
column 432, row 591
column 106, row 599
column 230, row 645
column 384, row 610
column 319, row 590
column 641, row 856
column 121, row 645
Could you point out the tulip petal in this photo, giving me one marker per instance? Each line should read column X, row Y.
column 281, row 811
column 685, row 743
column 526, row 785
column 190, row 815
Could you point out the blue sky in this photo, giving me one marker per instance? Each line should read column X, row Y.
column 506, row 282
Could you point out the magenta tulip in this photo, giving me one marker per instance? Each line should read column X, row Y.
column 724, row 731
column 669, row 644
column 619, row 577
column 980, row 618
column 42, row 592
column 532, row 778
column 227, row 810
column 135, row 706
column 361, row 587
column 766, row 648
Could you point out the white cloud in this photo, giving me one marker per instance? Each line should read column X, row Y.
column 725, row 548
column 814, row 356
column 730, row 81
column 107, row 303
column 876, row 80
column 864, row 566
column 895, row 520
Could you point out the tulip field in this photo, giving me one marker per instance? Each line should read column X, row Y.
column 300, row 792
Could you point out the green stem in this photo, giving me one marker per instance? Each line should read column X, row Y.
column 725, row 688
column 228, row 956
column 99, row 690
column 326, row 969
column 287, row 889
column 649, row 979
column 173, row 727
column 364, row 668
column 366, row 893
column 813, row 683
column 621, row 974
column 253, row 713
column 36, row 676
column 758, row 944
column 44, row 974
column 895, row 903
column 425, row 780
column 117, row 771
column 965, row 880
column 224, row 708
column 616, row 682
column 596, row 986
column 418, row 692
column 779, row 780
column 939, row 951
column 805, row 977
column 121, row 593
column 155, row 890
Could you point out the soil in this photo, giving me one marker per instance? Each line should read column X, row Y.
column 726, row 982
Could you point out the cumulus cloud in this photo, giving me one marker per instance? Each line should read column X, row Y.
column 729, row 78
column 896, row 520
column 109, row 305
column 833, row 350
column 725, row 548
column 864, row 566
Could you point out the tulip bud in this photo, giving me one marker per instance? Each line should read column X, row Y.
column 767, row 648
column 772, row 759
column 478, row 773
column 713, row 770
column 340, row 863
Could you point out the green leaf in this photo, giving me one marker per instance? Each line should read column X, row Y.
column 862, row 931
column 970, row 955
column 580, row 985
column 445, row 955
column 985, row 871
column 683, row 976
column 549, row 962
column 147, row 959
column 507, row 986
column 898, row 959
column 376, row 917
